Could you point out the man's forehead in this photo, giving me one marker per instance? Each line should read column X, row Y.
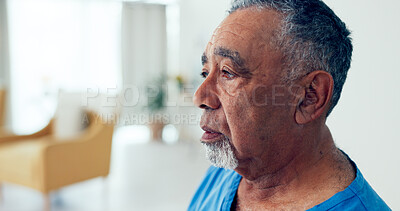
column 243, row 28
column 233, row 29
column 229, row 36
column 236, row 29
column 246, row 38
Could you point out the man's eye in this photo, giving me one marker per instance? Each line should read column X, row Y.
column 228, row 75
column 204, row 74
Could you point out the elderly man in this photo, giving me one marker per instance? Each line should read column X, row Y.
column 273, row 71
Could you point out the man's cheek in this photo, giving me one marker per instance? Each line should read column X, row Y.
column 236, row 94
column 231, row 87
column 237, row 103
column 237, row 119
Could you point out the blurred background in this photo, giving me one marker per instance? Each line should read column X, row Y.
column 135, row 65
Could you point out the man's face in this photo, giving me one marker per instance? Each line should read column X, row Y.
column 241, row 95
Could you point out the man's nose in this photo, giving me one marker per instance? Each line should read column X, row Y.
column 206, row 96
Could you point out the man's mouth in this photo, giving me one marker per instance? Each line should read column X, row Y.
column 210, row 135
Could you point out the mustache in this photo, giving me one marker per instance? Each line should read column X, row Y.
column 210, row 122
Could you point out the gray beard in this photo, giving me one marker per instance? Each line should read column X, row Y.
column 221, row 154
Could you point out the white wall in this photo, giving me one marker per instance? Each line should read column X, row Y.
column 199, row 18
column 365, row 122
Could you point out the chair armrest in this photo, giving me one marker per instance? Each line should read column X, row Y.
column 43, row 132
column 67, row 162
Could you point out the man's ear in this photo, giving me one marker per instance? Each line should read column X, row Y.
column 315, row 98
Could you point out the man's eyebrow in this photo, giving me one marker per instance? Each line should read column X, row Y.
column 204, row 59
column 235, row 57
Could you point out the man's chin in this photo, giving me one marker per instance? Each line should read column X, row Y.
column 220, row 153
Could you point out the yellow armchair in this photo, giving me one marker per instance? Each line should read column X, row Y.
column 42, row 162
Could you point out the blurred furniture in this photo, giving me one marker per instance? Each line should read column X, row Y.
column 42, row 162
column 3, row 130
column 2, row 106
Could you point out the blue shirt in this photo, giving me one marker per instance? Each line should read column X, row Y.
column 218, row 190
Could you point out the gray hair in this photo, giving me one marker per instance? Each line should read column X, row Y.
column 312, row 38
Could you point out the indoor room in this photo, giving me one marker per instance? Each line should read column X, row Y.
column 97, row 111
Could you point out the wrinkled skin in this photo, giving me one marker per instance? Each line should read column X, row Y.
column 285, row 150
column 244, row 107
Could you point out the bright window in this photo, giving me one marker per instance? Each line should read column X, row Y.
column 56, row 45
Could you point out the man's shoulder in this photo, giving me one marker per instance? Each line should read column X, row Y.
column 219, row 186
column 364, row 194
column 358, row 196
column 217, row 189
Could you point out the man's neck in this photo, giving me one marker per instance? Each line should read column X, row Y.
column 308, row 179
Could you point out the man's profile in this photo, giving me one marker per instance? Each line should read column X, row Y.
column 273, row 71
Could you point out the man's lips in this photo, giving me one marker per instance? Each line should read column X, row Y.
column 210, row 135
